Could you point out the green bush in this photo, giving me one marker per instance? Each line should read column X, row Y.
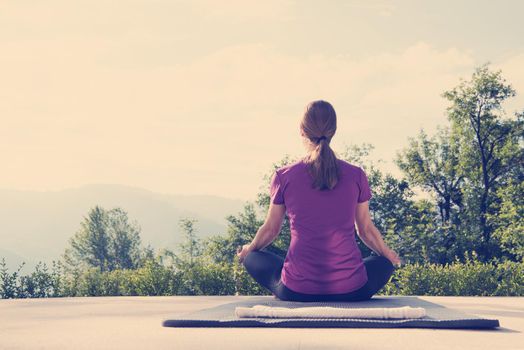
column 205, row 278
column 472, row 278
column 152, row 279
column 202, row 277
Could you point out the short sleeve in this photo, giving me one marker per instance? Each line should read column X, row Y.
column 365, row 191
column 276, row 190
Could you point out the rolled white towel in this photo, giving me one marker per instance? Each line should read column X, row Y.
column 329, row 312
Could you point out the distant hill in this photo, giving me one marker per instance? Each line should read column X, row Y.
column 36, row 226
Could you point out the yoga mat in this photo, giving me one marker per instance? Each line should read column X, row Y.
column 437, row 316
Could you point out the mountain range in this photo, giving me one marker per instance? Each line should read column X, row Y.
column 36, row 226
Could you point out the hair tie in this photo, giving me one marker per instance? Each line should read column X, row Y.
column 321, row 137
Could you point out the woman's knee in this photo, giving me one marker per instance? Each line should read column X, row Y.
column 259, row 262
column 385, row 263
column 250, row 260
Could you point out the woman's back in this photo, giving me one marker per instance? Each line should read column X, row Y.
column 323, row 256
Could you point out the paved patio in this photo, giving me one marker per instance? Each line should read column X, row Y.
column 135, row 323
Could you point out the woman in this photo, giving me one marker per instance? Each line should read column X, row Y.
column 323, row 196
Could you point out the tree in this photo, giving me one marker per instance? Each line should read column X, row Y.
column 90, row 244
column 509, row 221
column 433, row 164
column 488, row 143
column 191, row 247
column 241, row 230
column 9, row 281
column 124, row 240
column 391, row 201
column 106, row 240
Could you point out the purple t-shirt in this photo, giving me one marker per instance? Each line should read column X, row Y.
column 323, row 255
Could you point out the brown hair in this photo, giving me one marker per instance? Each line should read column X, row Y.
column 319, row 125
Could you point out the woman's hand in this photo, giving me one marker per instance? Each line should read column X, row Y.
column 392, row 256
column 243, row 251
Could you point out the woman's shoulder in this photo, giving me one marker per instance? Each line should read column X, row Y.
column 298, row 165
column 354, row 168
column 290, row 167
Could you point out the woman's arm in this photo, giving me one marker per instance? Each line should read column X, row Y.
column 267, row 232
column 370, row 235
column 373, row 239
column 271, row 227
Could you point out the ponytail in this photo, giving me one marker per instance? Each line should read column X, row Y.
column 319, row 126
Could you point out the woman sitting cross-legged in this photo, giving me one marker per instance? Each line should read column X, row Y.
column 324, row 197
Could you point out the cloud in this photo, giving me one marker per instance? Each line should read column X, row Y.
column 213, row 124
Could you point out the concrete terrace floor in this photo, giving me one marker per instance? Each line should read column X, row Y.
column 135, row 323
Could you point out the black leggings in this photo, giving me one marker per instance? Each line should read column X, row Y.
column 265, row 267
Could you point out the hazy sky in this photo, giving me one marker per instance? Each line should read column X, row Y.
column 201, row 97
